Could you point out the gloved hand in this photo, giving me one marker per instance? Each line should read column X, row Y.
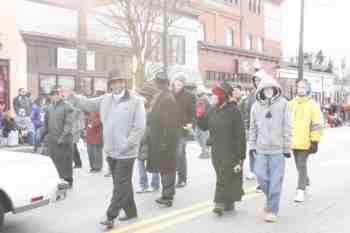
column 313, row 148
column 60, row 141
column 252, row 152
column 209, row 142
column 287, row 155
column 237, row 168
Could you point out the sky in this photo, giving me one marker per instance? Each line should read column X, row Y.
column 326, row 27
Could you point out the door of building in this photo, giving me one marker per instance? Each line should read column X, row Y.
column 4, row 85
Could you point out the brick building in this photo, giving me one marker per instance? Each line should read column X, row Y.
column 235, row 34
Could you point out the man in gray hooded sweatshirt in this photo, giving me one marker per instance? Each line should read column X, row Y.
column 123, row 117
column 270, row 136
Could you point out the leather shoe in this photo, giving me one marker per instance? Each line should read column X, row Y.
column 109, row 224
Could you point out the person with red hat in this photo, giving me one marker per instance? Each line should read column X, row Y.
column 227, row 138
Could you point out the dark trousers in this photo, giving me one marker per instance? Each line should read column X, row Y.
column 301, row 157
column 181, row 163
column 62, row 158
column 95, row 156
column 76, row 156
column 168, row 180
column 123, row 193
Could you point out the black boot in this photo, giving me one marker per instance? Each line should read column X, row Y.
column 219, row 209
column 165, row 201
column 230, row 207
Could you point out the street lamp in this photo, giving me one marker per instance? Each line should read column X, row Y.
column 301, row 42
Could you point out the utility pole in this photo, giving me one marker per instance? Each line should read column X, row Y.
column 165, row 37
column 301, row 42
column 81, row 44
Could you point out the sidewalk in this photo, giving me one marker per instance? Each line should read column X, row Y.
column 19, row 148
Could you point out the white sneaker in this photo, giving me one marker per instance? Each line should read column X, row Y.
column 300, row 196
column 270, row 217
column 251, row 176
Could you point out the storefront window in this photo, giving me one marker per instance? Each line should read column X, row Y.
column 100, row 84
column 66, row 82
column 47, row 82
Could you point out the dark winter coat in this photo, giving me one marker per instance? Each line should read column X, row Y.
column 22, row 102
column 185, row 102
column 228, row 141
column 58, row 127
column 246, row 108
column 164, row 133
column 8, row 126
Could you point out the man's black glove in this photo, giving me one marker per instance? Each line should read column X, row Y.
column 287, row 155
column 252, row 152
column 209, row 142
column 313, row 148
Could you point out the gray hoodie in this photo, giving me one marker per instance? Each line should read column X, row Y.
column 123, row 121
column 270, row 123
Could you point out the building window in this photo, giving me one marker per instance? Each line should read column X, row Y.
column 230, row 36
column 249, row 42
column 46, row 83
column 177, row 48
column 250, row 5
column 66, row 82
column 202, row 32
column 260, row 44
column 255, row 6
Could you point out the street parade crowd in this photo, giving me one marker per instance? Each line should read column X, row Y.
column 152, row 125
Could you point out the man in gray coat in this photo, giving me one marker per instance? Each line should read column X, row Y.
column 123, row 118
column 58, row 128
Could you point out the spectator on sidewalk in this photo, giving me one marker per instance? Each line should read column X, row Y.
column 94, row 140
column 25, row 126
column 21, row 101
column 8, row 123
column 38, row 118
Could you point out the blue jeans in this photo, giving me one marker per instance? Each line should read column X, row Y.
column 144, row 177
column 202, row 138
column 269, row 169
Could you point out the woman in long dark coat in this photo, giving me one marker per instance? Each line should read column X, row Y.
column 163, row 136
column 227, row 138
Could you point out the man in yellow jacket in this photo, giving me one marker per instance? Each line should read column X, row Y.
column 307, row 126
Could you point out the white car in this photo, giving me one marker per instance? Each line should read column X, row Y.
column 27, row 181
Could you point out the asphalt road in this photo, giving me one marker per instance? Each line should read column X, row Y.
column 325, row 210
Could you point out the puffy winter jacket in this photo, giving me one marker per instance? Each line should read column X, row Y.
column 307, row 121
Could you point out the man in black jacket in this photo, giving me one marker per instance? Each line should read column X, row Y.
column 185, row 102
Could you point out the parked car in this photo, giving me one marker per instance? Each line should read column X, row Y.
column 27, row 181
